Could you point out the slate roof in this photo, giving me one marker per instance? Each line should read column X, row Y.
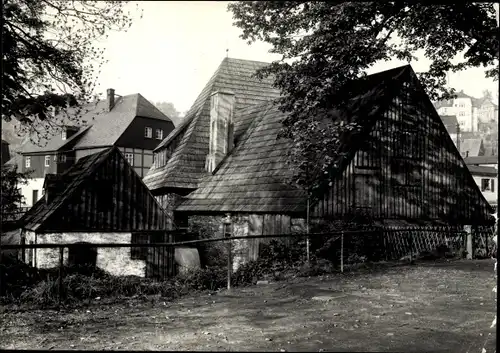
column 69, row 182
column 473, row 146
column 98, row 126
column 254, row 176
column 186, row 166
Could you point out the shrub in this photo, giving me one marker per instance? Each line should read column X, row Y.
column 212, row 254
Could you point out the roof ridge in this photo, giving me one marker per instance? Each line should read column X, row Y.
column 247, row 60
column 80, row 178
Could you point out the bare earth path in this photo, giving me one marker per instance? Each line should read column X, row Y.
column 445, row 307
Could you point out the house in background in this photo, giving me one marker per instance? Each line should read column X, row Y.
column 130, row 122
column 484, row 169
column 100, row 199
column 5, row 152
column 401, row 168
column 473, row 114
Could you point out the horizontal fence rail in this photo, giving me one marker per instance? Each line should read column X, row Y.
column 388, row 243
column 200, row 241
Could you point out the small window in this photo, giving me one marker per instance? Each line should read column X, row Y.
column 461, row 114
column 28, row 162
column 485, row 185
column 461, row 105
column 62, row 158
column 139, row 253
column 492, row 185
column 63, row 135
column 130, row 158
column 47, row 161
column 148, row 132
column 159, row 134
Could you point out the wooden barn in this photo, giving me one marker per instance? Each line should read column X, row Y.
column 100, row 199
column 401, row 168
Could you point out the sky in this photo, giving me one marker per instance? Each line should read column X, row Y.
column 171, row 53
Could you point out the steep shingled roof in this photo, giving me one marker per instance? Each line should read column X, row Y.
column 77, row 194
column 254, row 176
column 69, row 182
column 98, row 126
column 186, row 166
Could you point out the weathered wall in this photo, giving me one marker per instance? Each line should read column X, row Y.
column 240, row 248
column 168, row 202
column 116, row 261
column 243, row 250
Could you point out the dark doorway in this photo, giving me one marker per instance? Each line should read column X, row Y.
column 82, row 256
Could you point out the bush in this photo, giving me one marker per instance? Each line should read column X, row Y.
column 212, row 254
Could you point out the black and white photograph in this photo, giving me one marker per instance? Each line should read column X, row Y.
column 277, row 176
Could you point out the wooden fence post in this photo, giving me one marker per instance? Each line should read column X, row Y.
column 342, row 252
column 470, row 249
column 61, row 263
column 227, row 234
column 23, row 249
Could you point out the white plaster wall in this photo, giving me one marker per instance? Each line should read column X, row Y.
column 467, row 121
column 116, row 261
column 27, row 190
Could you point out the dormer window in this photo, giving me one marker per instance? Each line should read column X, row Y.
column 148, row 132
column 63, row 135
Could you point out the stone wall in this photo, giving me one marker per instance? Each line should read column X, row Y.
column 240, row 247
column 116, row 261
column 242, row 250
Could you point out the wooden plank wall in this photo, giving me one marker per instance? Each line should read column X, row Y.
column 266, row 224
column 114, row 200
column 408, row 168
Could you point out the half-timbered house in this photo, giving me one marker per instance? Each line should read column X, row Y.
column 402, row 166
column 100, row 199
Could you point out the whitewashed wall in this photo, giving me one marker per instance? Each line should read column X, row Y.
column 116, row 261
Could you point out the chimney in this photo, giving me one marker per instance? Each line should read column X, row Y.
column 221, row 128
column 111, row 98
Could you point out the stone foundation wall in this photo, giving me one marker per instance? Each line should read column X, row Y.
column 240, row 247
column 116, row 261
column 242, row 250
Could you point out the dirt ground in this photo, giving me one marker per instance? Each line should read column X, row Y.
column 446, row 306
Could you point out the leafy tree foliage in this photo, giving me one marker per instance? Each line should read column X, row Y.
column 324, row 45
column 50, row 57
column 169, row 110
column 11, row 197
